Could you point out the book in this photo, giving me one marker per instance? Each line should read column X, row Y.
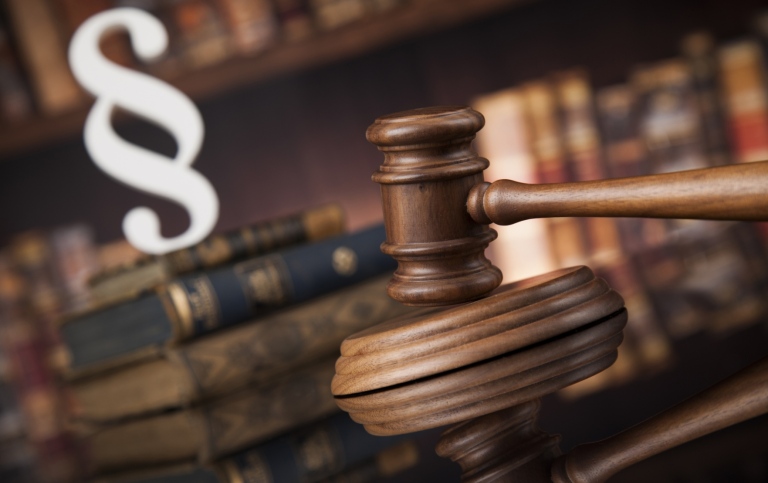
column 698, row 49
column 127, row 281
column 219, row 363
column 744, row 81
column 645, row 345
column 216, row 428
column 252, row 24
column 334, row 449
column 332, row 14
column 742, row 73
column 203, row 39
column 505, row 142
column 295, row 19
column 42, row 48
column 75, row 261
column 566, row 235
column 201, row 303
column 115, row 45
column 15, row 101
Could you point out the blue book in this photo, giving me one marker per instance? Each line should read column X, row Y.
column 200, row 303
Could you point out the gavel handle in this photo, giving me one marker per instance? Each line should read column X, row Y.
column 740, row 397
column 734, row 192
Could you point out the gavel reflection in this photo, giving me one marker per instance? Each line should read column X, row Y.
column 484, row 364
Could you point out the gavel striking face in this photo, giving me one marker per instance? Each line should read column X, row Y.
column 493, row 358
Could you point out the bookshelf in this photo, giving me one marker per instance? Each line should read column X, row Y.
column 411, row 19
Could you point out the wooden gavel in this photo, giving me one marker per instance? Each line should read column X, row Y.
column 492, row 359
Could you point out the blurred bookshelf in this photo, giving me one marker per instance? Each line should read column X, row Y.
column 400, row 20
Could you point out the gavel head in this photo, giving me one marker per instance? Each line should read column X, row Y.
column 428, row 171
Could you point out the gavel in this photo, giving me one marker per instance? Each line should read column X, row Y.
column 484, row 364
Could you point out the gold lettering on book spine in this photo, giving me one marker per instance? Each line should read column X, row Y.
column 264, row 281
column 253, row 470
column 204, row 303
column 320, row 453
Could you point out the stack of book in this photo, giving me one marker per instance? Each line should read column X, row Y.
column 707, row 107
column 216, row 361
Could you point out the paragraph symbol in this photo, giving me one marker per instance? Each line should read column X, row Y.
column 157, row 102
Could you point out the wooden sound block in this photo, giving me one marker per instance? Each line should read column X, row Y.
column 529, row 339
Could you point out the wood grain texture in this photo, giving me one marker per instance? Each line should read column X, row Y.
column 735, row 192
column 530, row 339
column 429, row 168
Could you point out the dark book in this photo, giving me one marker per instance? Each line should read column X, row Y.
column 15, row 101
column 699, row 51
column 258, row 351
column 252, row 24
column 198, row 304
column 334, row 449
column 128, row 281
column 210, row 431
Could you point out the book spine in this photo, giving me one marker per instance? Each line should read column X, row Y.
column 43, row 52
column 250, row 241
column 198, row 304
column 745, row 96
column 201, row 303
column 505, row 142
column 332, row 14
column 623, row 149
column 746, row 100
column 313, row 454
column 388, row 463
column 218, row 428
column 566, row 235
column 203, row 39
column 252, row 23
column 295, row 19
column 115, row 46
column 205, row 368
column 15, row 101
column 699, row 51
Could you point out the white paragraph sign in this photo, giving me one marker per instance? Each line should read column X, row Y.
column 157, row 102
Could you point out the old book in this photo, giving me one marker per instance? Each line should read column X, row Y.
column 645, row 344
column 42, row 47
column 332, row 14
column 624, row 150
column 566, row 235
column 334, row 449
column 200, row 303
column 115, row 45
column 253, row 352
column 75, row 260
column 742, row 73
column 203, row 37
column 128, row 281
column 744, row 81
column 15, row 101
column 505, row 142
column 252, row 24
column 699, row 51
column 216, row 428
column 295, row 19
